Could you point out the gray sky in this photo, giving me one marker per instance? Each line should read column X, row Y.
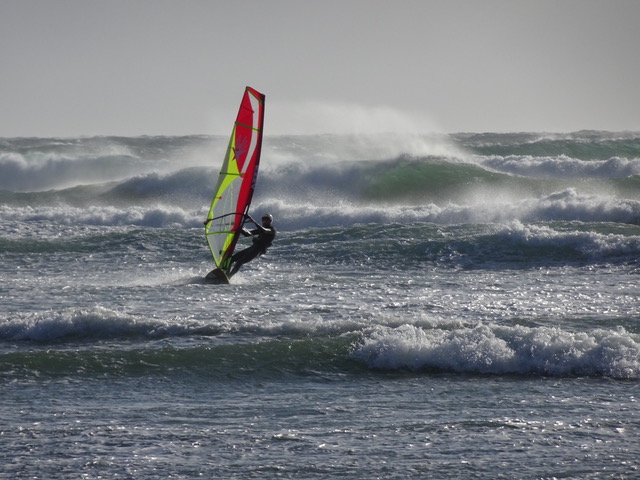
column 156, row 67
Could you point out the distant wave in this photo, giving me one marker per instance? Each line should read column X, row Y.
column 38, row 164
column 32, row 164
column 466, row 246
column 562, row 166
column 159, row 216
column 18, row 173
column 583, row 145
column 172, row 209
column 381, row 246
column 190, row 186
column 321, row 180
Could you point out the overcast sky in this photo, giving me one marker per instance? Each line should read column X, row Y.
column 157, row 67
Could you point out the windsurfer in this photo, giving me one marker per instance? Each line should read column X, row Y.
column 263, row 236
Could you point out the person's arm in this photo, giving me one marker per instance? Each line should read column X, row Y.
column 259, row 228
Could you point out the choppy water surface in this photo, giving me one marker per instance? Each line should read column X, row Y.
column 451, row 307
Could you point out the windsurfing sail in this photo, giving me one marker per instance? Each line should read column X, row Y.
column 236, row 182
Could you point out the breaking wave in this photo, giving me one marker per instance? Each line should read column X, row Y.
column 324, row 180
column 297, row 347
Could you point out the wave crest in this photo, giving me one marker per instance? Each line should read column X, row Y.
column 493, row 349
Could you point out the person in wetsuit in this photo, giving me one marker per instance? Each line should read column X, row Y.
column 263, row 236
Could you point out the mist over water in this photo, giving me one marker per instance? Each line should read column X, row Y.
column 337, row 180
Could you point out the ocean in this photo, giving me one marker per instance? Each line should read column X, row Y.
column 434, row 306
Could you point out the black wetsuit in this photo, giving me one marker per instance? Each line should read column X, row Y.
column 263, row 238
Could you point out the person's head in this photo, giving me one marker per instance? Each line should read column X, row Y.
column 267, row 218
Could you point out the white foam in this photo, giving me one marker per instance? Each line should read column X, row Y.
column 494, row 349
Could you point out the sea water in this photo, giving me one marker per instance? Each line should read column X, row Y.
column 437, row 306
